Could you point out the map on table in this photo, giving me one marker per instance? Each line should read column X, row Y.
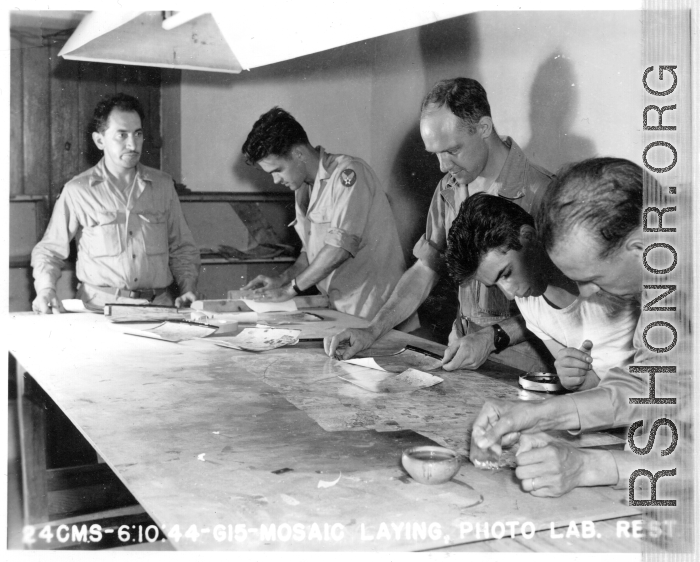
column 383, row 381
column 312, row 382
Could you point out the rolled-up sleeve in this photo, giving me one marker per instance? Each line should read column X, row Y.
column 434, row 241
column 49, row 255
column 352, row 199
column 184, row 258
column 607, row 405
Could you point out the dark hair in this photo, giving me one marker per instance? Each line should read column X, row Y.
column 464, row 97
column 123, row 102
column 276, row 133
column 602, row 195
column 484, row 223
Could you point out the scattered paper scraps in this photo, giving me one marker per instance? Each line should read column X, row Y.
column 289, row 500
column 262, row 306
column 73, row 305
column 201, row 457
column 260, row 339
column 329, row 484
column 385, row 382
column 174, row 331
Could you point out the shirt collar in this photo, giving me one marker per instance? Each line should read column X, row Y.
column 448, row 191
column 99, row 174
column 510, row 181
column 325, row 164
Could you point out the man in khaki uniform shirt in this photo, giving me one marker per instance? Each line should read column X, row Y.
column 132, row 237
column 351, row 248
column 456, row 126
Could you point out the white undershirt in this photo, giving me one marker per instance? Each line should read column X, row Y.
column 608, row 323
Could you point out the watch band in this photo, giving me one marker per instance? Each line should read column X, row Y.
column 501, row 339
column 296, row 288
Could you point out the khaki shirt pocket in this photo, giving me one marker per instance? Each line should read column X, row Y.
column 101, row 238
column 320, row 216
column 155, row 232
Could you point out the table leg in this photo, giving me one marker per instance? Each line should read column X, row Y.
column 32, row 431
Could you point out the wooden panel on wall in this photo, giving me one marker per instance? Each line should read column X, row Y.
column 16, row 123
column 97, row 80
column 66, row 160
column 36, row 120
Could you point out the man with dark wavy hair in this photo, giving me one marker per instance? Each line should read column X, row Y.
column 132, row 238
column 351, row 250
column 494, row 241
column 457, row 127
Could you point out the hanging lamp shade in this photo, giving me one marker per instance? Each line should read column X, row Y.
column 243, row 37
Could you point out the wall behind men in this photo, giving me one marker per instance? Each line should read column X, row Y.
column 564, row 85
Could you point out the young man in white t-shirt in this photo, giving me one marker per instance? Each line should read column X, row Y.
column 493, row 240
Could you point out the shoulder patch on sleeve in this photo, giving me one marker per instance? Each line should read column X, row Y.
column 348, row 177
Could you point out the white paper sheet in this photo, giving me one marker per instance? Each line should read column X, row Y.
column 73, row 305
column 261, row 306
column 368, row 362
column 174, row 331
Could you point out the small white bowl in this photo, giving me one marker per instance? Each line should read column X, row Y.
column 431, row 465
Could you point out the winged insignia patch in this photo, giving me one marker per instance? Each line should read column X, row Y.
column 348, row 177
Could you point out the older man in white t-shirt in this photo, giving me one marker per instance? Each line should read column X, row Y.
column 493, row 241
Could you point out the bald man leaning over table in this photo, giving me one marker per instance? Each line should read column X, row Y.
column 126, row 218
column 590, row 224
column 456, row 126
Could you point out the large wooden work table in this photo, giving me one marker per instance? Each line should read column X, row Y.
column 271, row 451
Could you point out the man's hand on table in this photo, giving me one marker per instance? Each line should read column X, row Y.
column 468, row 352
column 263, row 282
column 548, row 467
column 274, row 295
column 185, row 299
column 348, row 343
column 46, row 302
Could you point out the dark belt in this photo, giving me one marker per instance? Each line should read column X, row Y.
column 148, row 294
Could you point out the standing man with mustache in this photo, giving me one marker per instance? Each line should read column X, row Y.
column 126, row 218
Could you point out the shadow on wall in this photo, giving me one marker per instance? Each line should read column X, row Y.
column 553, row 103
column 449, row 49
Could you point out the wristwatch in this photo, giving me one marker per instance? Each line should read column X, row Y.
column 296, row 288
column 501, row 339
